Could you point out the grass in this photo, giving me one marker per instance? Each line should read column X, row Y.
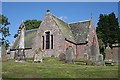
column 53, row 68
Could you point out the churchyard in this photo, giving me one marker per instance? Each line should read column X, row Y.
column 52, row 67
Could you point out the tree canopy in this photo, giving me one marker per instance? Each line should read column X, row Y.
column 4, row 29
column 30, row 24
column 108, row 28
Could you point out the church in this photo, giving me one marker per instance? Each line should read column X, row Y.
column 54, row 36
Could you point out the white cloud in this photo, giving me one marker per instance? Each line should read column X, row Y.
column 63, row 17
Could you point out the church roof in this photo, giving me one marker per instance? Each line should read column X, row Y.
column 74, row 32
column 80, row 31
column 64, row 27
column 29, row 35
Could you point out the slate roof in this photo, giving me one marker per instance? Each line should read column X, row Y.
column 64, row 27
column 29, row 35
column 74, row 32
column 80, row 31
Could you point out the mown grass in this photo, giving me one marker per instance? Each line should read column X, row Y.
column 53, row 68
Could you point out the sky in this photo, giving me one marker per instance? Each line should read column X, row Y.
column 16, row 12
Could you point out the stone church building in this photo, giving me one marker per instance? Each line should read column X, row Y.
column 54, row 36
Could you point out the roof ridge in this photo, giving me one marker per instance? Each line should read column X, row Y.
column 80, row 21
column 59, row 19
column 31, row 29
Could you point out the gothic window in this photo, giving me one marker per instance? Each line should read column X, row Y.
column 47, row 40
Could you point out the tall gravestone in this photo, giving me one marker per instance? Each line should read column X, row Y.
column 20, row 55
column 93, row 52
column 22, row 43
column 70, row 56
column 4, row 58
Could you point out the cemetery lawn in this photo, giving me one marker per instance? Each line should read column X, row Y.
column 53, row 68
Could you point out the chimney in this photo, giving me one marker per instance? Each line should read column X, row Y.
column 48, row 11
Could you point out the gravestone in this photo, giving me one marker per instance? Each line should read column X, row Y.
column 20, row 55
column 62, row 56
column 38, row 55
column 108, row 53
column 4, row 58
column 70, row 56
column 93, row 53
column 85, row 56
column 99, row 60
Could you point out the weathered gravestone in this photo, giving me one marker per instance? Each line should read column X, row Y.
column 108, row 53
column 19, row 56
column 4, row 58
column 70, row 56
column 99, row 60
column 62, row 56
column 92, row 52
column 38, row 55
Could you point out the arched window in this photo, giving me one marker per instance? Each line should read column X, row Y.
column 47, row 40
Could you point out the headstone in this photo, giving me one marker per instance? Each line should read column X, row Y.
column 62, row 56
column 92, row 52
column 70, row 56
column 19, row 56
column 108, row 53
column 99, row 60
column 4, row 58
column 92, row 56
column 38, row 55
column 85, row 56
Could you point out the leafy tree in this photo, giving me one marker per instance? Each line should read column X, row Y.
column 4, row 29
column 30, row 24
column 107, row 30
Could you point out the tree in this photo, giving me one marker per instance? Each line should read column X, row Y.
column 4, row 29
column 30, row 24
column 107, row 30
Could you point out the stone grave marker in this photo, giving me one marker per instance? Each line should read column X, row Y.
column 38, row 55
column 99, row 60
column 62, row 56
column 4, row 58
column 70, row 56
column 108, row 53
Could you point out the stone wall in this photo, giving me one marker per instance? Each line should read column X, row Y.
column 112, row 54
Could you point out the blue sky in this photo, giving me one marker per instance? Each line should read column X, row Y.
column 17, row 12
